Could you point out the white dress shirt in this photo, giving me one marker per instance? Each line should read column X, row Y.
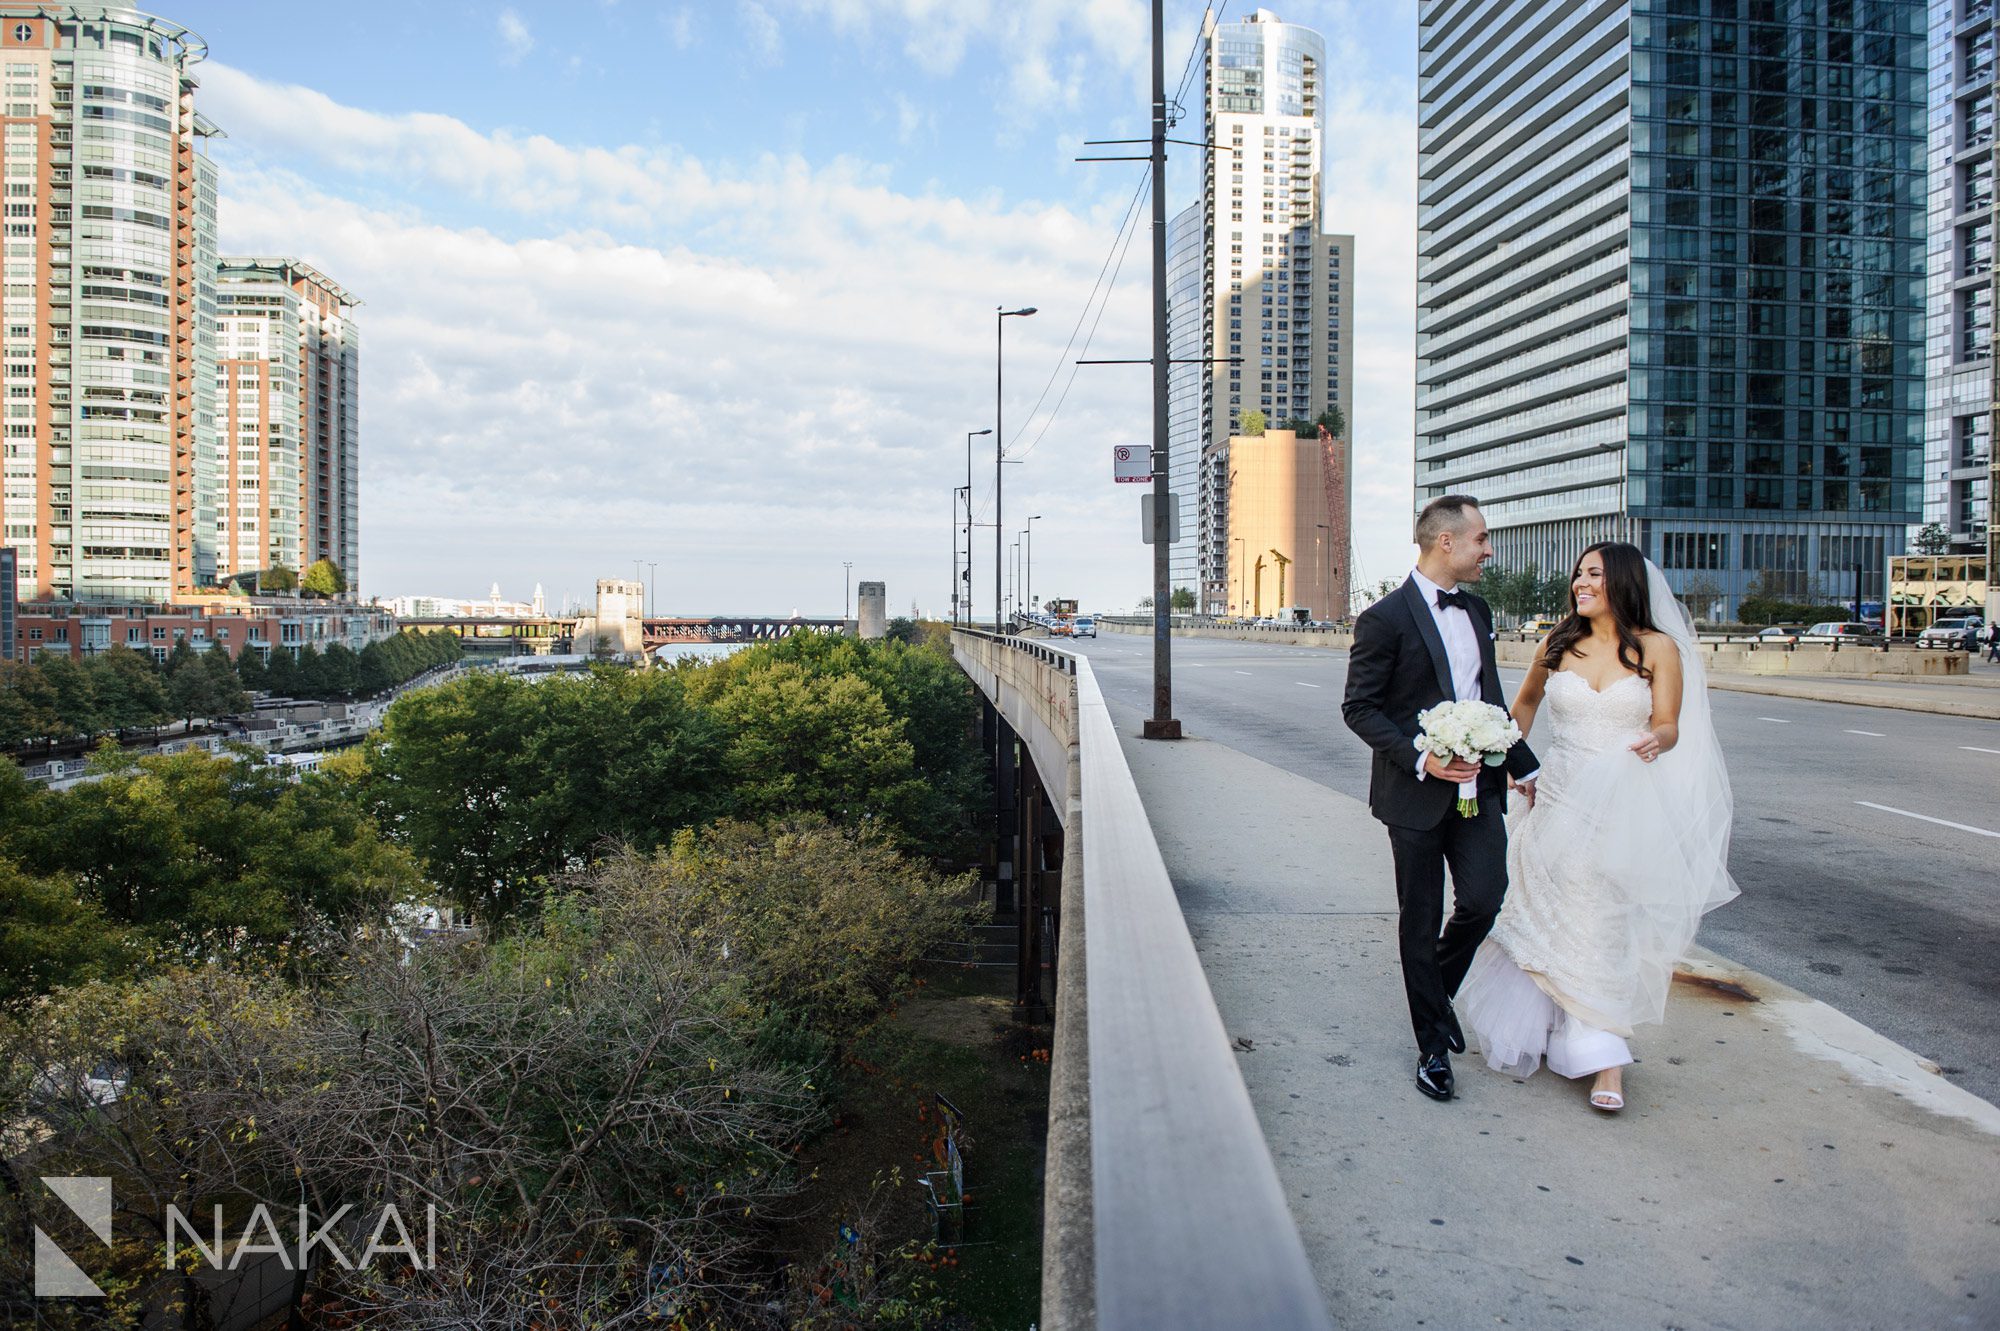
column 1461, row 647
column 1461, row 639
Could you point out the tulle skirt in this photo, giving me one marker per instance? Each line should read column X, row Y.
column 1516, row 1025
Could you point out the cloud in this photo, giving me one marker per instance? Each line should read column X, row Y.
column 912, row 121
column 766, row 38
column 1039, row 46
column 515, row 37
column 680, row 27
column 749, row 371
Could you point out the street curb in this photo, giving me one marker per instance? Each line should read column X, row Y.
column 1823, row 1032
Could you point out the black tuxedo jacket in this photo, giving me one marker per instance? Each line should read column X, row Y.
column 1397, row 668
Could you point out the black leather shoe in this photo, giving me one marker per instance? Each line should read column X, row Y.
column 1449, row 1028
column 1434, row 1076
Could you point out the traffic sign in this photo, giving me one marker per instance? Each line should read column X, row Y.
column 1131, row 464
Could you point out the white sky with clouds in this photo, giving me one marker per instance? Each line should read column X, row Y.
column 713, row 285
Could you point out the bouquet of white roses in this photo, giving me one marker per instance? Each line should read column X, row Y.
column 1475, row 732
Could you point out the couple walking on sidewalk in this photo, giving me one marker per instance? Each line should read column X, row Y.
column 1564, row 938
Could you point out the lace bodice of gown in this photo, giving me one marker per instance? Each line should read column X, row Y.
column 1559, row 921
column 1583, row 722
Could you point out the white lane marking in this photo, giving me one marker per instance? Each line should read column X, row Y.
column 1974, row 748
column 1778, row 719
column 1302, row 684
column 1924, row 817
column 1243, row 672
column 1872, row 734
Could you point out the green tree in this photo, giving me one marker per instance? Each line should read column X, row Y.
column 342, row 670
column 281, row 672
column 213, row 856
column 901, row 629
column 52, row 935
column 1183, row 600
column 278, row 578
column 73, row 692
column 1931, row 539
column 226, row 696
column 250, row 670
column 129, row 688
column 324, row 579
column 374, row 673
column 28, row 707
column 1335, row 422
column 825, row 743
column 311, row 678
column 1253, row 422
column 823, row 921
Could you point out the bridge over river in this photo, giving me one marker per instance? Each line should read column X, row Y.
column 556, row 634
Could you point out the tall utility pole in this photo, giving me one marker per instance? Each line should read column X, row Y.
column 970, row 435
column 1000, row 318
column 846, row 586
column 1161, row 725
column 652, row 581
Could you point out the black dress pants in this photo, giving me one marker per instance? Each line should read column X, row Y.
column 1435, row 959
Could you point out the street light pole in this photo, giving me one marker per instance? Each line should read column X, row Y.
column 1014, row 576
column 970, row 435
column 1161, row 725
column 1242, row 571
column 846, row 587
column 1030, row 579
column 1000, row 318
column 652, row 581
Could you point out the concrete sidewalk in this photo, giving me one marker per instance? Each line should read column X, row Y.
column 1777, row 1166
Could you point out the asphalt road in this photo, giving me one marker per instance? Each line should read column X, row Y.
column 1890, row 918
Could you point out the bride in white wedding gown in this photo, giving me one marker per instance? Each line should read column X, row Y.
column 1619, row 844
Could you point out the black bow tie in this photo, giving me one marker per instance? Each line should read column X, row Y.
column 1448, row 599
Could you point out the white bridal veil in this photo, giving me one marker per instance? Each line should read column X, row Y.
column 1654, row 835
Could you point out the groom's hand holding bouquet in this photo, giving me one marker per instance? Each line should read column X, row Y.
column 1460, row 738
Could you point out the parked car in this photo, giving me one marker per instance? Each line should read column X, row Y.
column 1781, row 633
column 1084, row 626
column 1964, row 634
column 1844, row 631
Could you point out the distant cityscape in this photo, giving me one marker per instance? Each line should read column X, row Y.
column 1720, row 284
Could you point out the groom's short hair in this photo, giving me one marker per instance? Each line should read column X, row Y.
column 1444, row 514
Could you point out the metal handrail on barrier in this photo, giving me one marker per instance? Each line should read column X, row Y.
column 1178, row 1206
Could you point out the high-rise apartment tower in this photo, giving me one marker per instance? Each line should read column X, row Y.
column 1958, row 448
column 287, row 373
column 110, row 243
column 1670, row 282
column 1252, row 275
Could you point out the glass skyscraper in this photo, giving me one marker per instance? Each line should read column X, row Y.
column 1957, row 425
column 1671, row 282
column 1252, row 276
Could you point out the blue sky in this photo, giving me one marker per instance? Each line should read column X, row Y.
column 712, row 285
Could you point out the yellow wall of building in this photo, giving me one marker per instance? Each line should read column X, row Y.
column 1278, row 506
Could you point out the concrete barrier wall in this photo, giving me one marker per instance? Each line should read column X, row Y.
column 1818, row 660
column 1162, row 1203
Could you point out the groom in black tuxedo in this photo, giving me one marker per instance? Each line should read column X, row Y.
column 1429, row 641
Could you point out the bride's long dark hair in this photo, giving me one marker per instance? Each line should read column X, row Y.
column 1625, row 591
